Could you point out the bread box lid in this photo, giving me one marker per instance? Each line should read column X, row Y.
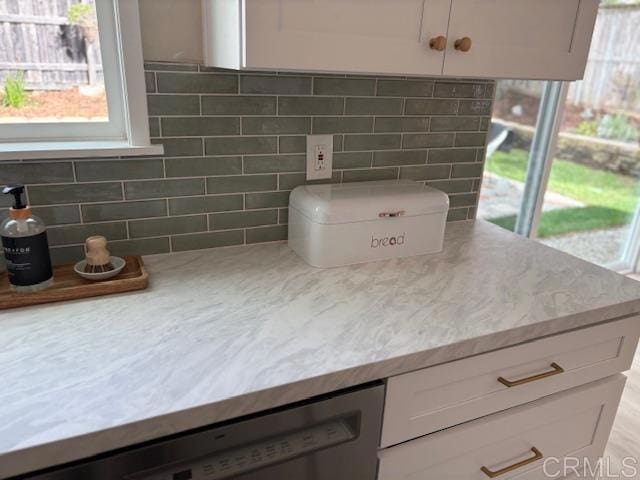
column 364, row 201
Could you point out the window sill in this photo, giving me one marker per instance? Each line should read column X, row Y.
column 44, row 150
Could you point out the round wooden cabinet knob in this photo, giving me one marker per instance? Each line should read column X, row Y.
column 463, row 44
column 438, row 43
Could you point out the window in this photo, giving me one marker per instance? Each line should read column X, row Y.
column 72, row 79
column 573, row 181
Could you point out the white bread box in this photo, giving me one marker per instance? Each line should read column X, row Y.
column 342, row 224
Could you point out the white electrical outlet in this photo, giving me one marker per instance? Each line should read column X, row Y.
column 319, row 156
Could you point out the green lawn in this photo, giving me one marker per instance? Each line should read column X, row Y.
column 610, row 198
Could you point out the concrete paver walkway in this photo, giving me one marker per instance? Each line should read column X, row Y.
column 500, row 197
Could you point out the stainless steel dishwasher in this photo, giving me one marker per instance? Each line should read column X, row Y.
column 334, row 437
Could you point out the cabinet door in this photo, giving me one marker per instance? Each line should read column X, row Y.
column 575, row 423
column 368, row 36
column 427, row 400
column 546, row 39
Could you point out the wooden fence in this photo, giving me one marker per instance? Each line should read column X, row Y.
column 36, row 38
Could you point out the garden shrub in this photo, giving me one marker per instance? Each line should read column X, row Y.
column 15, row 94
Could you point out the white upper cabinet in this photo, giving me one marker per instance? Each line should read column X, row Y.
column 472, row 38
column 369, row 36
column 546, row 39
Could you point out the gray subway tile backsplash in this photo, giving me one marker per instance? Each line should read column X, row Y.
column 205, row 204
column 370, row 175
column 238, row 105
column 142, row 189
column 344, row 86
column 198, row 241
column 235, row 147
column 40, row 172
column 470, row 139
column 58, row 214
column 74, row 193
column 173, row 104
column 401, row 124
column 196, row 83
column 404, row 157
column 234, row 220
column 428, row 140
column 455, row 124
column 468, row 170
column 150, row 82
column 457, row 214
column 203, row 166
column 132, row 169
column 430, row 106
column 460, row 89
column 242, row 183
column 142, row 246
column 372, row 142
column 292, row 144
column 283, row 85
column 275, row 163
column 452, row 186
column 266, row 234
column 96, row 212
column 310, row 105
column 325, row 125
column 181, row 147
column 475, row 107
column 66, row 254
column 288, row 181
column 426, row 172
column 273, row 125
column 240, row 145
column 157, row 227
column 71, row 234
column 452, row 155
column 154, row 127
column 347, row 160
column 462, row 200
column 200, row 126
column 266, row 200
column 373, row 106
column 405, row 88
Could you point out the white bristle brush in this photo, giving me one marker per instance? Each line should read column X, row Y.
column 97, row 255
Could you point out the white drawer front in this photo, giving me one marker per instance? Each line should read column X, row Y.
column 434, row 398
column 574, row 423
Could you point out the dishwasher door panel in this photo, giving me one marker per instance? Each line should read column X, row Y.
column 334, row 437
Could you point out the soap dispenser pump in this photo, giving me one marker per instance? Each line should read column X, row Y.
column 25, row 246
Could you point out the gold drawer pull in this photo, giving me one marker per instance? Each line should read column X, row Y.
column 537, row 455
column 557, row 369
column 399, row 213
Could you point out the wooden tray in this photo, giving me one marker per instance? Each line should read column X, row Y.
column 68, row 285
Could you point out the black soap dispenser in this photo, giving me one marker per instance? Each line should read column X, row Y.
column 25, row 246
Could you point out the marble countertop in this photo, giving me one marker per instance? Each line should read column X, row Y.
column 222, row 333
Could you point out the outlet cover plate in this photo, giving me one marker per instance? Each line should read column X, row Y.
column 319, row 156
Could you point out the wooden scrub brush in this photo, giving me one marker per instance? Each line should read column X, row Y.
column 97, row 255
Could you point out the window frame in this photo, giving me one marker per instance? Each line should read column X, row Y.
column 539, row 165
column 127, row 131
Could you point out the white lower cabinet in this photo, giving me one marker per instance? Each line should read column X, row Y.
column 525, row 442
column 428, row 400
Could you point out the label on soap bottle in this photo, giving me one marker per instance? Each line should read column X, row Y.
column 28, row 259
